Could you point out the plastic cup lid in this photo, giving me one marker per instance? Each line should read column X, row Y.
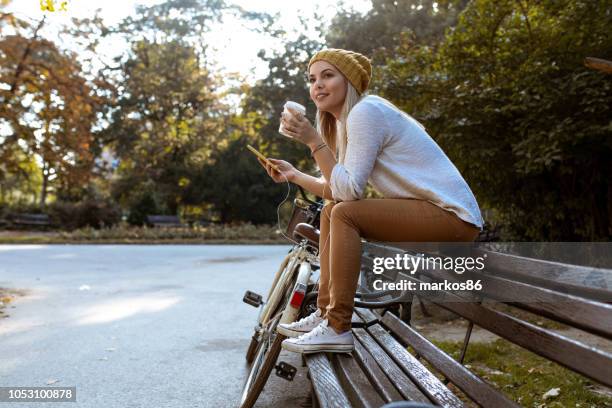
column 296, row 106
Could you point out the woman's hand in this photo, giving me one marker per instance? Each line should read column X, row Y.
column 300, row 129
column 286, row 170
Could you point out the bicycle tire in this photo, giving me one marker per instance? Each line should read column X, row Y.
column 254, row 343
column 264, row 372
column 252, row 350
column 253, row 387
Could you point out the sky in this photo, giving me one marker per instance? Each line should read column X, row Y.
column 234, row 46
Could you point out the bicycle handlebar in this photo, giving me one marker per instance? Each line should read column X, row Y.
column 303, row 193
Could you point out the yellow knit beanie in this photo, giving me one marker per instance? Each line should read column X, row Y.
column 354, row 66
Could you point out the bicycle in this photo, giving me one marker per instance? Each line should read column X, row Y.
column 293, row 295
column 291, row 285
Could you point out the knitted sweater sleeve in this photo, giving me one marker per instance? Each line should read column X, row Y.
column 366, row 128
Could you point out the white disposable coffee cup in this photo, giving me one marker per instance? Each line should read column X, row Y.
column 295, row 106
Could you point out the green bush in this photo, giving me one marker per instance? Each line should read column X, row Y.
column 88, row 213
column 142, row 206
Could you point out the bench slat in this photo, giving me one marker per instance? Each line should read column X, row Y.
column 375, row 374
column 366, row 315
column 403, row 383
column 589, row 315
column 326, row 385
column 577, row 356
column 586, row 281
column 472, row 385
column 592, row 316
column 419, row 374
column 355, row 382
column 356, row 321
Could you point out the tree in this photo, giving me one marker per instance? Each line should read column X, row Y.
column 263, row 103
column 382, row 28
column 165, row 115
column 168, row 116
column 236, row 184
column 47, row 106
column 507, row 96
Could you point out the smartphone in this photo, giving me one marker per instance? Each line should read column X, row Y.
column 262, row 157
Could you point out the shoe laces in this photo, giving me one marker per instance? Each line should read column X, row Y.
column 307, row 320
column 317, row 331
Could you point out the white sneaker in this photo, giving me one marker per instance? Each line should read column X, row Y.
column 321, row 338
column 302, row 326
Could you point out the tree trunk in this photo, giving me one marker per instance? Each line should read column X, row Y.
column 43, row 190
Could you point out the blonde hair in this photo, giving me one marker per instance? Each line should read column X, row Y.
column 336, row 136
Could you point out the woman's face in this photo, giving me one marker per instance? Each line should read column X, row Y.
column 327, row 87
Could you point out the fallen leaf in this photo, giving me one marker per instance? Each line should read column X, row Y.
column 553, row 392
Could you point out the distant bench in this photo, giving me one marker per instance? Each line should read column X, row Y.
column 381, row 370
column 164, row 221
column 27, row 220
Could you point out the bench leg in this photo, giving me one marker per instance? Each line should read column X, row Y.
column 423, row 309
column 466, row 341
column 468, row 333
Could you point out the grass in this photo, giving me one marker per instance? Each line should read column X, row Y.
column 125, row 234
column 525, row 377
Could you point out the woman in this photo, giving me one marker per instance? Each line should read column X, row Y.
column 358, row 139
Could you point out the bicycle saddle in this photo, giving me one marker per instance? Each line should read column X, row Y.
column 308, row 232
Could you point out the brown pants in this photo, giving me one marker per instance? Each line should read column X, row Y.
column 394, row 220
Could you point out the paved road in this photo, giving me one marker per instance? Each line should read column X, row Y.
column 137, row 326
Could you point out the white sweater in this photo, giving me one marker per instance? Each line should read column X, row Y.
column 395, row 154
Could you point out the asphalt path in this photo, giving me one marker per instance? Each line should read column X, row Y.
column 137, row 325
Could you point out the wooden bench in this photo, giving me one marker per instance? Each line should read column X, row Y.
column 28, row 220
column 599, row 64
column 381, row 369
column 161, row 221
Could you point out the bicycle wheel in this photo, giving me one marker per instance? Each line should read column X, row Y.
column 263, row 363
column 254, row 344
column 267, row 352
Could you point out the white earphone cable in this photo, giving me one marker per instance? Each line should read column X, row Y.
column 279, row 206
column 283, row 202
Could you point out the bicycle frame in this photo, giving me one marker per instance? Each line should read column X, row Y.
column 298, row 257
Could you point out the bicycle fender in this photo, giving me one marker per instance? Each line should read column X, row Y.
column 291, row 313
